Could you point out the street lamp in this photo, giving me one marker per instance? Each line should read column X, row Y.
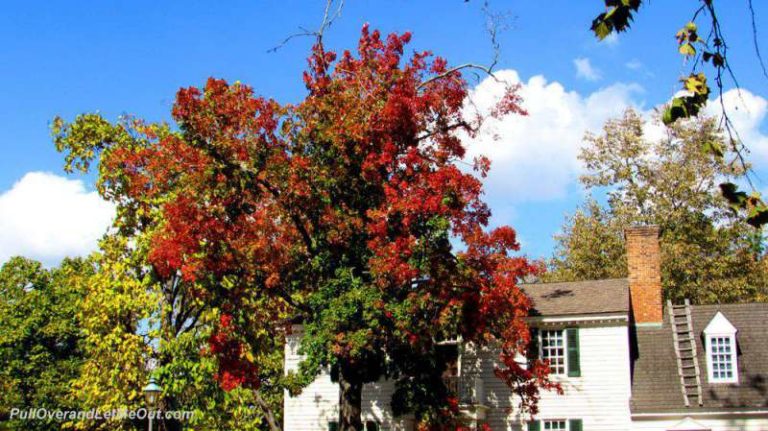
column 151, row 394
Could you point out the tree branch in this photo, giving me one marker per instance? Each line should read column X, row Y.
column 268, row 413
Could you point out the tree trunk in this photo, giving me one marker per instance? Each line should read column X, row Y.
column 350, row 401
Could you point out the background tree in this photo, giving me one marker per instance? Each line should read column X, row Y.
column 708, row 256
column 40, row 339
column 338, row 211
column 702, row 43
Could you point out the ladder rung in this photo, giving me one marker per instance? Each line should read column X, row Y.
column 689, row 366
column 691, row 385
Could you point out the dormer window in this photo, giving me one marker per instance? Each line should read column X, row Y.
column 720, row 340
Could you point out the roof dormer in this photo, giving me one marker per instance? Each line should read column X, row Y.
column 720, row 341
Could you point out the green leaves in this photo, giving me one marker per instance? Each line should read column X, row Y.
column 751, row 204
column 616, row 18
column 83, row 139
column 715, row 148
column 686, row 37
column 716, row 58
column 40, row 337
column 688, row 105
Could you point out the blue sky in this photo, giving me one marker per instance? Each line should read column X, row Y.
column 64, row 58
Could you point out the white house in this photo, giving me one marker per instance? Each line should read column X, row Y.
column 625, row 362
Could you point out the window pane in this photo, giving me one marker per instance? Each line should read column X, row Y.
column 553, row 350
column 721, row 358
column 554, row 425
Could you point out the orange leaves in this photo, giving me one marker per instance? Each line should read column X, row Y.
column 343, row 209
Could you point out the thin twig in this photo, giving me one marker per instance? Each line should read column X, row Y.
column 328, row 19
column 455, row 69
column 754, row 39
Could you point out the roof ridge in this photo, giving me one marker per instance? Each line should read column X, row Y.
column 549, row 283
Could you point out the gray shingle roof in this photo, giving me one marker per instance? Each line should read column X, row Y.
column 579, row 297
column 655, row 381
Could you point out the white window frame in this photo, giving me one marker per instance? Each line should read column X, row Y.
column 565, row 422
column 564, row 337
column 720, row 328
column 730, row 358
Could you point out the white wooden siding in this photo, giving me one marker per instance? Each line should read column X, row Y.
column 318, row 403
column 600, row 397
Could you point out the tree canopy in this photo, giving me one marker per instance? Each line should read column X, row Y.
column 708, row 254
column 338, row 211
column 41, row 345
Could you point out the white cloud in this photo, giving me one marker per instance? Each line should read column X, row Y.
column 534, row 157
column 611, row 40
column 634, row 64
column 47, row 217
column 585, row 70
column 747, row 112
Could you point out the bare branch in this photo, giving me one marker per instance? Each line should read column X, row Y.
column 329, row 17
column 495, row 23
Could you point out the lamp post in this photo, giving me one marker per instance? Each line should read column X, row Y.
column 151, row 394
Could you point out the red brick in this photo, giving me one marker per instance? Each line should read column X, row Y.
column 644, row 264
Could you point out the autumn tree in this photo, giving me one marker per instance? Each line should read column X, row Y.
column 709, row 256
column 41, row 350
column 340, row 211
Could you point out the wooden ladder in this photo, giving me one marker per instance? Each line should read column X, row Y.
column 685, row 351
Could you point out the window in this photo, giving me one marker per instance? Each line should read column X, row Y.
column 369, row 426
column 722, row 359
column 555, row 425
column 720, row 339
column 553, row 350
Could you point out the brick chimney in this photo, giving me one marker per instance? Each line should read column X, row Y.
column 644, row 264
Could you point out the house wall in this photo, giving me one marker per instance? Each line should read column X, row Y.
column 712, row 424
column 318, row 403
column 600, row 397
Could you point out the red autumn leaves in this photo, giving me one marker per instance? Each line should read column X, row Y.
column 365, row 169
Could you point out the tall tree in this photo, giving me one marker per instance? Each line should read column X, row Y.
column 338, row 211
column 708, row 256
column 40, row 339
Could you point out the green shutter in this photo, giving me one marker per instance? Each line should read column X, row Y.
column 333, row 426
column 534, row 425
column 575, row 425
column 574, row 359
column 533, row 348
